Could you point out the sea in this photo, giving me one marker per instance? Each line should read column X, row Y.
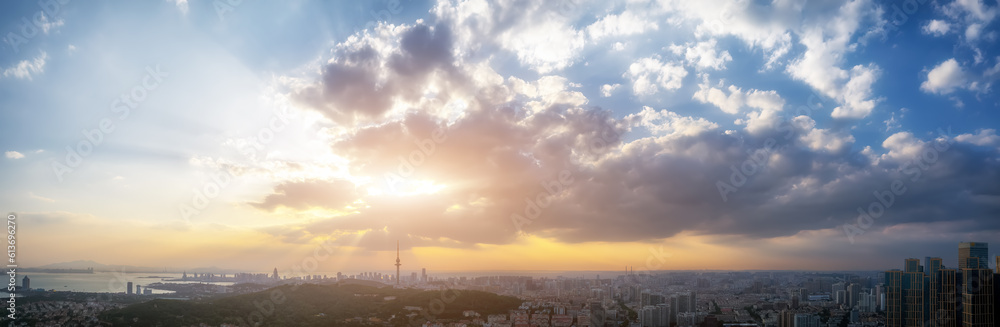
column 100, row 282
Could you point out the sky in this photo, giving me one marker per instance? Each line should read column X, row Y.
column 500, row 135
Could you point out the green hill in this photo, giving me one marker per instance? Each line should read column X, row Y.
column 314, row 305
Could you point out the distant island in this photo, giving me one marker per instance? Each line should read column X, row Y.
column 59, row 270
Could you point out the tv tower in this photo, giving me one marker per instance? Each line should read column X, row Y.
column 397, row 263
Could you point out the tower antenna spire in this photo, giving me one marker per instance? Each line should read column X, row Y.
column 397, row 263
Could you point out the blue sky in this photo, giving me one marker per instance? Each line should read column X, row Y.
column 331, row 97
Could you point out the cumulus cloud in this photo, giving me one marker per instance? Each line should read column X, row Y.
column 511, row 156
column 703, row 55
column 936, row 27
column 983, row 137
column 762, row 107
column 13, row 155
column 649, row 75
column 539, row 33
column 608, row 89
column 616, row 25
column 945, row 78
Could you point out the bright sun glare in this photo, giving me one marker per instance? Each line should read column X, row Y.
column 404, row 187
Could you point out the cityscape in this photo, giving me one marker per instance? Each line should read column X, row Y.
column 926, row 292
column 501, row 163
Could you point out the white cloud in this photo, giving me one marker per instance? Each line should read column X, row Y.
column 737, row 99
column 670, row 123
column 182, row 5
column 626, row 23
column 822, row 139
column 902, row 146
column 70, row 49
column 539, row 33
column 608, row 89
column 945, row 78
column 765, row 104
column 892, row 123
column 826, row 44
column 856, row 96
column 13, row 155
column 984, row 137
column 975, row 9
column 703, row 55
column 972, row 32
column 764, row 26
column 936, row 27
column 649, row 75
column 47, row 25
column 25, row 68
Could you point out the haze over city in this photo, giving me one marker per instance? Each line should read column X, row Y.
column 500, row 135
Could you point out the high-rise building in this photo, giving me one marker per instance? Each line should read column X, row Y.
column 977, row 297
column 275, row 275
column 906, row 296
column 806, row 320
column 912, row 265
column 138, row 289
column 946, row 314
column 933, row 267
column 128, row 288
column 977, row 251
column 25, row 283
column 853, row 295
column 423, row 275
column 654, row 316
column 597, row 314
column 786, row 319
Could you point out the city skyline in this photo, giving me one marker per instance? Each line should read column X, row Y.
column 569, row 135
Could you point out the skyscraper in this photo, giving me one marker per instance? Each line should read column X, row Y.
column 947, row 298
column 423, row 275
column 275, row 275
column 932, row 266
column 973, row 250
column 906, row 296
column 853, row 294
column 397, row 263
column 128, row 288
column 25, row 283
column 977, row 297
